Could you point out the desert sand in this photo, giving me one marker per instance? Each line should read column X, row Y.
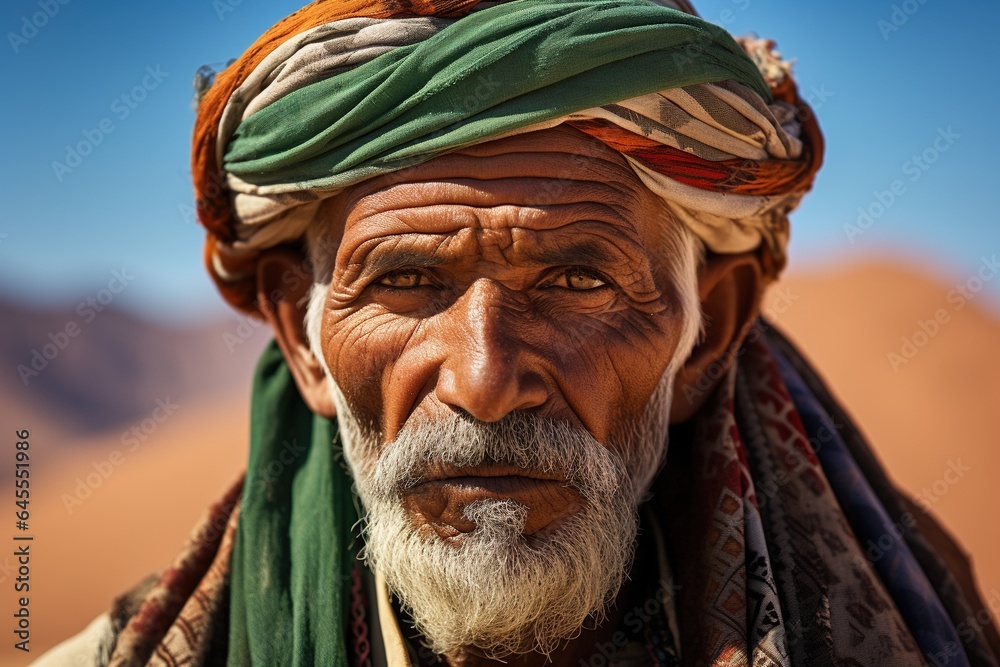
column 937, row 412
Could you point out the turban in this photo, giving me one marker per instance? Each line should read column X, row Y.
column 341, row 92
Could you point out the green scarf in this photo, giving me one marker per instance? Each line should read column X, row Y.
column 493, row 71
column 292, row 559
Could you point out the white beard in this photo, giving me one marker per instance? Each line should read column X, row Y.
column 492, row 589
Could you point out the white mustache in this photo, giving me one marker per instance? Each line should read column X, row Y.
column 521, row 440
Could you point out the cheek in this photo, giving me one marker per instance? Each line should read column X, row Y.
column 608, row 368
column 601, row 369
column 362, row 348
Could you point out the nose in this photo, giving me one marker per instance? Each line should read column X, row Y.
column 490, row 369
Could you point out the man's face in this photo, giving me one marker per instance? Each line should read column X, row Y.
column 498, row 325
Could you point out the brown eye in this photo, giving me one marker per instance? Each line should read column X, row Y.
column 401, row 279
column 576, row 279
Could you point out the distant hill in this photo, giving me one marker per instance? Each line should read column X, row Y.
column 81, row 371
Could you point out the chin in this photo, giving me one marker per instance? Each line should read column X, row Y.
column 495, row 588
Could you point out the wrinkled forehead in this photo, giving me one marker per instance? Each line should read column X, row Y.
column 555, row 172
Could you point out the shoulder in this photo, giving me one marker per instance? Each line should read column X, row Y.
column 90, row 648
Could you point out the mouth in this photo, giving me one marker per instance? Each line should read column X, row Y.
column 440, row 495
column 488, row 474
column 516, row 487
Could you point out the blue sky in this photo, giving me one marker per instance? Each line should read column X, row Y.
column 884, row 93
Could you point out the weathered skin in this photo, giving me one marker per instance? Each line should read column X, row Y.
column 500, row 293
column 527, row 273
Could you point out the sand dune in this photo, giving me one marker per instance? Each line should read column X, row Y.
column 937, row 412
column 92, row 536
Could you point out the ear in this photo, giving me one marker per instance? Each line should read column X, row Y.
column 730, row 288
column 283, row 286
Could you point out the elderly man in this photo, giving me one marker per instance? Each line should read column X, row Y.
column 508, row 252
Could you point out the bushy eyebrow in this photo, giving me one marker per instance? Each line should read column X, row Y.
column 591, row 253
column 380, row 263
column 585, row 253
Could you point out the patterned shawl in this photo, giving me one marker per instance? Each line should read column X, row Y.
column 789, row 545
column 341, row 92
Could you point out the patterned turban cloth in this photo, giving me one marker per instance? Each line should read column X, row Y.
column 344, row 91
